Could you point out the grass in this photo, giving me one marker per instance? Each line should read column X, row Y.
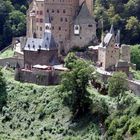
column 136, row 74
column 7, row 53
column 37, row 113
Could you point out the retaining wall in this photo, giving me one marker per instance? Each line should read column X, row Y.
column 11, row 61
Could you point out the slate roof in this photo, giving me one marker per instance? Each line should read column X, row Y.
column 84, row 15
column 35, row 44
column 107, row 38
column 122, row 63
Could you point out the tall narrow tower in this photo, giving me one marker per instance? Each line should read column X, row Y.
column 89, row 5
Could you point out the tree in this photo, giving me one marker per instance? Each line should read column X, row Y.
column 117, row 84
column 70, row 60
column 75, row 83
column 3, row 94
column 135, row 56
column 17, row 21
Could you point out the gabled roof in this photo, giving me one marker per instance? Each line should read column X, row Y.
column 112, row 29
column 84, row 15
column 35, row 44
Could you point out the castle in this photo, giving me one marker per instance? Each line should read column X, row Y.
column 72, row 22
column 111, row 55
column 54, row 27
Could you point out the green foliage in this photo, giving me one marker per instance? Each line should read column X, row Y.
column 3, row 93
column 37, row 112
column 124, row 14
column 117, row 84
column 135, row 56
column 7, row 53
column 75, row 83
column 70, row 60
column 13, row 20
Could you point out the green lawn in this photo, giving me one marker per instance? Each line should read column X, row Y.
column 6, row 54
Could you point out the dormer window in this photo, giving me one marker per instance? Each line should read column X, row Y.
column 28, row 45
column 39, row 46
column 45, row 45
column 33, row 46
column 47, row 27
column 76, row 29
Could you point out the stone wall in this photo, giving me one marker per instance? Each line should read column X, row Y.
column 134, row 86
column 11, row 61
column 87, row 34
column 40, row 57
column 38, row 77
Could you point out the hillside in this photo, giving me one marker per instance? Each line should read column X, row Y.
column 36, row 112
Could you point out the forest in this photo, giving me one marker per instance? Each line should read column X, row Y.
column 12, row 20
column 123, row 14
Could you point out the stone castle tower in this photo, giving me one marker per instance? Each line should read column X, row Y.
column 65, row 15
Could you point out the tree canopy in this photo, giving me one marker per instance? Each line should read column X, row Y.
column 75, row 82
column 3, row 93
column 135, row 56
column 117, row 84
column 13, row 20
column 124, row 14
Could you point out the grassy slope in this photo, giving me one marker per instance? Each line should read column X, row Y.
column 7, row 53
column 36, row 112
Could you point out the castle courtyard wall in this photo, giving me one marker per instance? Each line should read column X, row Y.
column 38, row 77
column 12, row 62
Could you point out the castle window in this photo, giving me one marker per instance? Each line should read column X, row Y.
column 90, row 25
column 59, row 28
column 47, row 27
column 52, row 11
column 41, row 20
column 40, row 28
column 51, row 18
column 66, row 20
column 47, row 10
column 41, row 12
column 57, row 11
column 33, row 46
column 28, row 45
column 64, row 11
column 61, row 19
column 39, row 46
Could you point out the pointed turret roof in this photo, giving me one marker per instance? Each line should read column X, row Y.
column 84, row 15
column 112, row 29
column 117, row 38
